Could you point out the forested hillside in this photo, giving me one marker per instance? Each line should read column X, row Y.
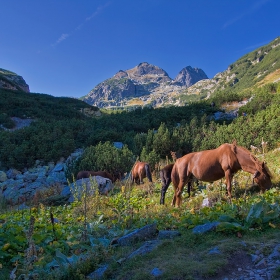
column 59, row 127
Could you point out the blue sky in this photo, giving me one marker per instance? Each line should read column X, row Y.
column 65, row 48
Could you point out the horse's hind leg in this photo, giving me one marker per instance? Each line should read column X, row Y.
column 180, row 189
column 174, row 196
column 178, row 193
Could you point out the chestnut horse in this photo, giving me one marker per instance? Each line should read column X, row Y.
column 212, row 165
column 140, row 171
column 87, row 174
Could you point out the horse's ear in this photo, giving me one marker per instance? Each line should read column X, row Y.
column 263, row 165
column 234, row 146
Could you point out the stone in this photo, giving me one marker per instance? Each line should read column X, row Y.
column 156, row 272
column 146, row 248
column 3, row 176
column 214, row 251
column 75, row 190
column 66, row 191
column 56, row 177
column 59, row 167
column 12, row 173
column 206, row 202
column 145, row 233
column 205, row 228
column 98, row 273
column 168, row 234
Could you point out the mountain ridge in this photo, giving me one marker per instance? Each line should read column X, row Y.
column 140, row 82
column 147, row 85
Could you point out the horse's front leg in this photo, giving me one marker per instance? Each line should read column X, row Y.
column 141, row 178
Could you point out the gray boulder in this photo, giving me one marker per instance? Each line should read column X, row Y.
column 88, row 185
column 3, row 176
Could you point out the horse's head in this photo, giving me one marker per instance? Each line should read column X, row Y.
column 263, row 177
column 117, row 175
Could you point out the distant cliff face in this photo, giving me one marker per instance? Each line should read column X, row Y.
column 140, row 84
column 10, row 80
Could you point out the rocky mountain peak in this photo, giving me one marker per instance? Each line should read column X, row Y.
column 144, row 68
column 120, row 75
column 188, row 76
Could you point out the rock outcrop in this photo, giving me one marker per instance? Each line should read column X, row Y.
column 18, row 187
column 10, row 80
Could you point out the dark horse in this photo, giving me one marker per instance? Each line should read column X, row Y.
column 212, row 165
column 87, row 174
column 165, row 177
column 140, row 171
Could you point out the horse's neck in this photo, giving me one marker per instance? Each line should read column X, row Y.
column 246, row 162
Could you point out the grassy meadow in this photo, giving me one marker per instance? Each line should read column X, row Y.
column 70, row 241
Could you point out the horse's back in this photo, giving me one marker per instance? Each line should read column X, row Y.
column 165, row 172
column 140, row 171
column 82, row 174
column 207, row 165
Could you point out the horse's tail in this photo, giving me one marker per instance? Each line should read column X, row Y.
column 174, row 176
column 148, row 172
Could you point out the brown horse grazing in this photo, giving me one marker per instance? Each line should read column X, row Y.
column 87, row 174
column 212, row 165
column 140, row 171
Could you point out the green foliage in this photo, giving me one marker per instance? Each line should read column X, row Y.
column 106, row 157
column 62, row 244
column 152, row 158
column 220, row 97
